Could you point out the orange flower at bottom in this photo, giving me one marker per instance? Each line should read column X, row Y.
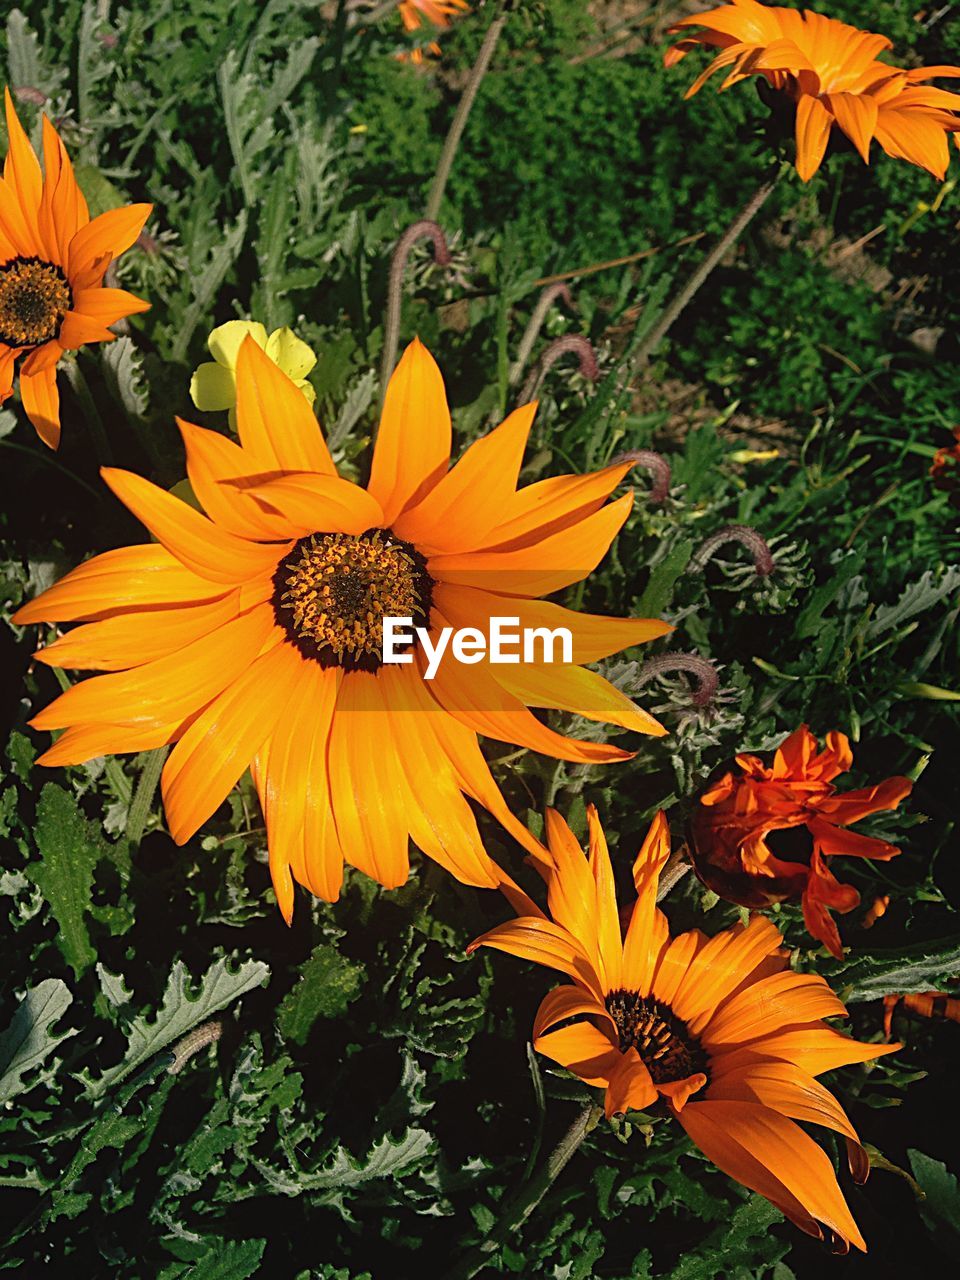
column 718, row 1030
column 764, row 834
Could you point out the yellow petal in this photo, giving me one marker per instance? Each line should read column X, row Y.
column 213, row 388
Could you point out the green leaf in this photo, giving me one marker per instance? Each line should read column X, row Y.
column 70, row 848
column 939, row 1186
column 906, row 969
column 180, row 1011
column 221, row 1260
column 743, row 1240
column 28, row 1039
column 809, row 621
column 327, row 985
column 659, row 589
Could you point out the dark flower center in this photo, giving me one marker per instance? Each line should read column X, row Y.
column 34, row 298
column 790, row 844
column 333, row 591
column 667, row 1049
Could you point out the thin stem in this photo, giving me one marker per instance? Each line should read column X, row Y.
column 371, row 17
column 530, row 334
column 522, row 1204
column 142, row 801
column 594, row 267
column 763, row 560
column 708, row 682
column 459, row 123
column 398, row 265
column 91, row 414
column 673, row 312
column 658, row 467
column 572, row 342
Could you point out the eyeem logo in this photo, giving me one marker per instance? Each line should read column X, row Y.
column 508, row 642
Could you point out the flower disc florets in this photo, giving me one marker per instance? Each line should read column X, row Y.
column 665, row 1046
column 34, row 298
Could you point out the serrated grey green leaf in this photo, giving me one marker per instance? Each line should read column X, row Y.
column 28, row 1040
column 327, row 985
column 181, row 1010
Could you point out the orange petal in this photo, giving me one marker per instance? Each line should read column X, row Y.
column 813, row 134
column 592, row 635
column 585, row 693
column 720, row 967
column 608, row 918
column 857, row 116
column 206, row 763
column 107, row 306
column 219, row 476
column 630, row 1087
column 131, row 639
column 169, row 688
column 413, row 444
column 813, row 1049
column 274, row 418
column 767, row 1006
column 462, row 508
column 567, row 1002
column 571, row 892
column 291, row 776
column 311, row 503
column 647, row 933
column 95, row 246
column 551, row 505
column 41, row 403
column 556, row 562
column 546, row 943
column 198, row 543
column 63, row 209
column 908, row 135
column 582, row 1049
column 773, row 1156
column 21, row 171
column 130, row 577
column 784, row 1087
column 84, row 742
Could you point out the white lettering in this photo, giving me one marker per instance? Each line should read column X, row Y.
column 470, row 646
column 499, row 637
column 548, row 638
column 393, row 634
column 434, row 652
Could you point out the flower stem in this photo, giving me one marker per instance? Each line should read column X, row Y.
column 398, row 265
column 459, row 123
column 763, row 560
column 658, row 467
column 522, row 1204
column 142, row 801
column 729, row 238
column 572, row 342
column 532, row 331
column 91, row 414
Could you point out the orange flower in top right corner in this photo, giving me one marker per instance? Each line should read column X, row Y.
column 767, row 833
column 832, row 74
column 438, row 13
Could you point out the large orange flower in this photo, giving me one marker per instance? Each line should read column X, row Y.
column 766, row 833
column 831, row 72
column 254, row 633
column 52, row 264
column 716, row 1030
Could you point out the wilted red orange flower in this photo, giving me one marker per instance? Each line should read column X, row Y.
column 718, row 1031
column 831, row 72
column 926, row 1004
column 766, row 833
column 52, row 264
column 436, row 12
column 945, row 469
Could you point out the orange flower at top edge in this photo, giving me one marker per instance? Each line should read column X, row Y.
column 766, row 833
column 831, row 72
column 254, row 633
column 718, row 1031
column 945, row 469
column 438, row 13
column 52, row 264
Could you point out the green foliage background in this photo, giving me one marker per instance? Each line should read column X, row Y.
column 370, row 1101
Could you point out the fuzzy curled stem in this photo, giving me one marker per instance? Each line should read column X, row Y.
column 532, row 331
column 763, row 560
column 571, row 343
column 656, row 464
column 708, row 682
column 422, row 230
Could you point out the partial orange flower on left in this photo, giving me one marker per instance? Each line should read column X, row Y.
column 52, row 262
